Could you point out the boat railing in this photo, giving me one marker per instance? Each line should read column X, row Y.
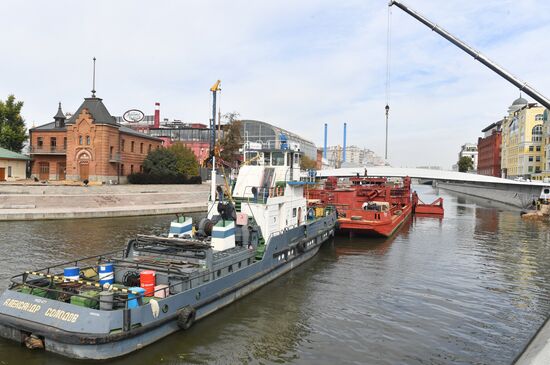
column 43, row 280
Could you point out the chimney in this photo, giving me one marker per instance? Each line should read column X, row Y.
column 325, row 145
column 345, row 135
column 157, row 115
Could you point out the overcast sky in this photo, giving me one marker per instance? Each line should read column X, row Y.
column 296, row 64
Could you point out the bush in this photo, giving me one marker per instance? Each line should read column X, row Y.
column 143, row 178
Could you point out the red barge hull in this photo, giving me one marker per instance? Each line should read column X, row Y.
column 370, row 206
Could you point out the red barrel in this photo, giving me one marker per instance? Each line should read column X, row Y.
column 147, row 282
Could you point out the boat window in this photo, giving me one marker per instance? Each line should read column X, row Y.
column 277, row 159
column 230, row 268
column 219, row 273
column 239, row 265
column 267, row 158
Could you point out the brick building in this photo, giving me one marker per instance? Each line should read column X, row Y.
column 488, row 149
column 89, row 145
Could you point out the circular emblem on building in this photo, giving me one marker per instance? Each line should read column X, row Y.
column 133, row 116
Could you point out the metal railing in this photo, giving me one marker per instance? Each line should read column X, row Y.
column 48, row 149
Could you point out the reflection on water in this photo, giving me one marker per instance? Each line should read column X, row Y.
column 470, row 288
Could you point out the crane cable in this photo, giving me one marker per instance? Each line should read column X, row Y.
column 388, row 79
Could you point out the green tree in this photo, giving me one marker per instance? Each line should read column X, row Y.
column 161, row 161
column 186, row 160
column 465, row 164
column 232, row 140
column 307, row 163
column 12, row 126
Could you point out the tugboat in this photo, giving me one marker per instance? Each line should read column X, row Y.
column 109, row 305
column 372, row 205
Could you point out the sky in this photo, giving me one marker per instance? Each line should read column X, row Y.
column 295, row 64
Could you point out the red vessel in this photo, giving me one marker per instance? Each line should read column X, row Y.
column 371, row 205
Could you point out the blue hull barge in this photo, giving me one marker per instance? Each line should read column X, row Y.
column 109, row 305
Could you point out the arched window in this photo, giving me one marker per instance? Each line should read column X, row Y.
column 88, row 139
column 80, row 140
column 536, row 133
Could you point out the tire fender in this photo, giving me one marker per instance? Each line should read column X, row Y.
column 186, row 317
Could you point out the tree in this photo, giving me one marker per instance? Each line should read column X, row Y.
column 307, row 163
column 186, row 161
column 12, row 125
column 232, row 140
column 161, row 161
column 465, row 163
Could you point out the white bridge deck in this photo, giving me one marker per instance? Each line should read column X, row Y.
column 424, row 174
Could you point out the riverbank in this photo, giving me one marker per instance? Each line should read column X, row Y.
column 35, row 202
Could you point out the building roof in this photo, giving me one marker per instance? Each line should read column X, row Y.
column 133, row 132
column 520, row 101
column 97, row 109
column 10, row 155
column 492, row 125
column 48, row 127
column 59, row 114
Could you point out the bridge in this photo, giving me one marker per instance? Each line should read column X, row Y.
column 517, row 193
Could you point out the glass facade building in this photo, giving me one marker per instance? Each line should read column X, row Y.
column 270, row 136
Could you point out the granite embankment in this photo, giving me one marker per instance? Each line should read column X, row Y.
column 30, row 202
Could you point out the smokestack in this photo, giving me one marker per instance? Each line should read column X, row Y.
column 345, row 135
column 325, row 145
column 157, row 115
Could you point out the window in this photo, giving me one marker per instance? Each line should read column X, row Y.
column 9, row 171
column 538, row 148
column 53, row 142
column 140, row 168
column 132, row 147
column 530, row 158
column 111, row 150
column 141, row 148
column 530, row 168
column 293, row 212
column 131, row 169
column 536, row 133
column 39, row 142
column 80, row 140
column 539, row 117
column 122, row 145
column 530, row 148
column 64, row 143
column 122, row 169
column 88, row 140
column 537, row 158
column 149, row 148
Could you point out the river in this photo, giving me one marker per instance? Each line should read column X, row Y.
column 471, row 288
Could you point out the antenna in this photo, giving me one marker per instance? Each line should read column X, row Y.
column 93, row 85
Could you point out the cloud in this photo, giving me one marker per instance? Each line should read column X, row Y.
column 294, row 64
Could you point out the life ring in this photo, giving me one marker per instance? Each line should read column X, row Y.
column 186, row 317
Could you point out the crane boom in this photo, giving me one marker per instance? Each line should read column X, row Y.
column 522, row 85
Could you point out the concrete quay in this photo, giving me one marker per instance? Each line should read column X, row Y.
column 35, row 202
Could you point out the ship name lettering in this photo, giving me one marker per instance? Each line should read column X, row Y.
column 21, row 305
column 61, row 314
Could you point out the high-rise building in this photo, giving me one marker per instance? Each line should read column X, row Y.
column 488, row 150
column 522, row 150
column 469, row 150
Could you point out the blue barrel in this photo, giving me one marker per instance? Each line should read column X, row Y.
column 71, row 273
column 133, row 302
column 106, row 274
